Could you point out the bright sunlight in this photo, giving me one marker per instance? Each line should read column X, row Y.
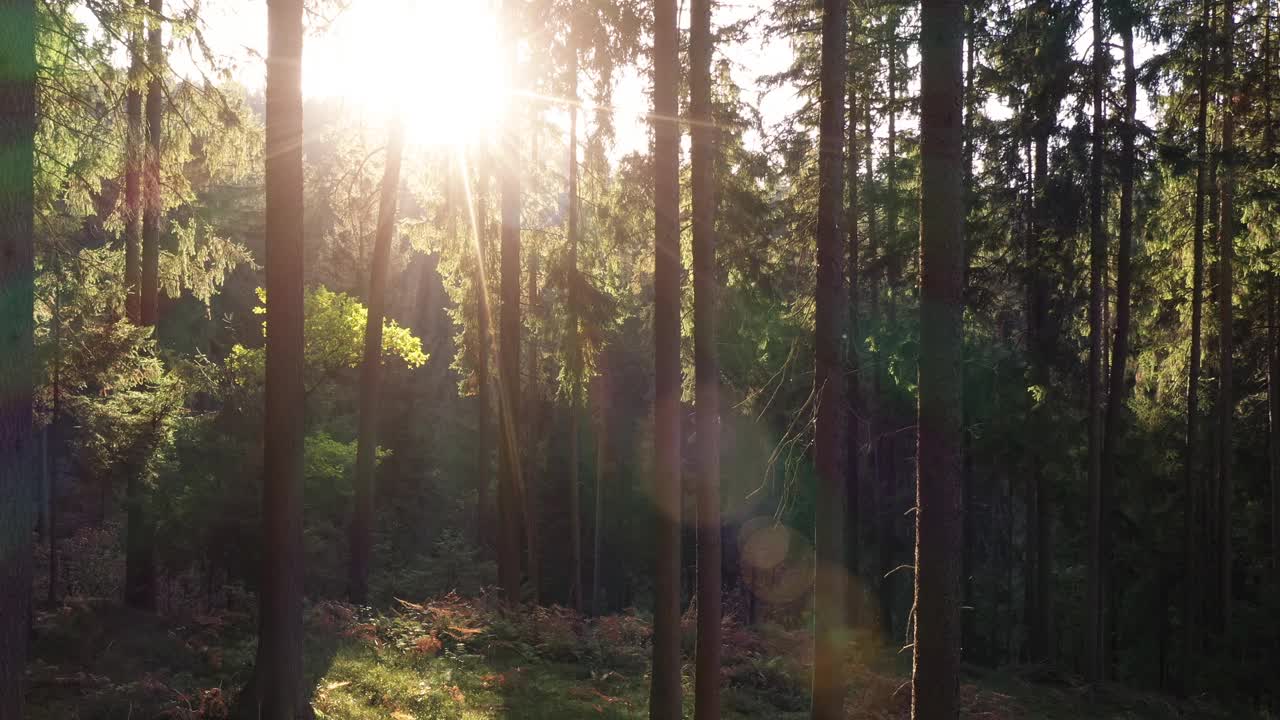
column 435, row 61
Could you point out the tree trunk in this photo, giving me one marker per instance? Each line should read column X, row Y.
column 1118, row 391
column 1039, row 521
column 484, row 345
column 575, row 345
column 935, row 679
column 706, row 362
column 140, row 562
column 134, row 155
column 1226, row 342
column 152, row 204
column 1273, row 332
column 17, row 349
column 830, row 447
column 371, row 375
column 532, row 404
column 278, row 666
column 664, row 699
column 853, row 390
column 509, row 481
column 1194, row 537
column 55, row 428
column 886, row 438
column 1094, row 660
column 597, row 530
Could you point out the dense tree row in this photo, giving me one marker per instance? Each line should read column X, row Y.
column 974, row 352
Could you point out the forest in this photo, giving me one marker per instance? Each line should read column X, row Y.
column 409, row 359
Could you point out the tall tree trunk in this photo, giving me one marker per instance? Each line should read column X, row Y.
column 134, row 162
column 532, row 407
column 140, row 561
column 1273, row 297
column 664, row 699
column 484, row 345
column 279, row 660
column 54, row 428
column 371, row 374
column 509, row 481
column 706, row 362
column 575, row 344
column 875, row 514
column 1273, row 414
column 853, row 390
column 935, row 680
column 1226, row 341
column 17, row 348
column 1094, row 660
column 1117, row 393
column 887, row 416
column 1039, row 522
column 830, row 448
column 152, row 204
column 1192, row 488
column 597, row 528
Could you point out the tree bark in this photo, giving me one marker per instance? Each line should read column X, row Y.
column 1094, row 660
column 706, row 362
column 1192, row 488
column 853, row 390
column 371, row 374
column 575, row 342
column 140, row 562
column 1118, row 391
column 134, row 162
column 531, row 403
column 509, row 481
column 278, row 667
column 1226, row 341
column 664, row 699
column 936, row 671
column 17, row 348
column 830, row 447
column 484, row 345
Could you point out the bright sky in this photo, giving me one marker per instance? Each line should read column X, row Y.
column 448, row 63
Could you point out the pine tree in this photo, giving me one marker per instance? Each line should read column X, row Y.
column 509, row 481
column 371, row 372
column 277, row 685
column 664, row 698
column 936, row 669
column 17, row 350
column 706, row 363
column 830, row 448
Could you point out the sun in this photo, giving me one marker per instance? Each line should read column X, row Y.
column 436, row 62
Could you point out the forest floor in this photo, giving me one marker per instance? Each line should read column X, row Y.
column 468, row 659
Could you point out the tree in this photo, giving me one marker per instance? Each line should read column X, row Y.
column 853, row 390
column 140, row 562
column 1117, row 392
column 706, row 365
column 575, row 339
column 277, row 691
column 17, row 349
column 936, row 668
column 509, row 481
column 1192, row 488
column 371, row 371
column 664, row 697
column 1226, row 301
column 830, row 450
column 1094, row 661
column 133, row 174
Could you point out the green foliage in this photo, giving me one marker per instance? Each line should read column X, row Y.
column 334, row 335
